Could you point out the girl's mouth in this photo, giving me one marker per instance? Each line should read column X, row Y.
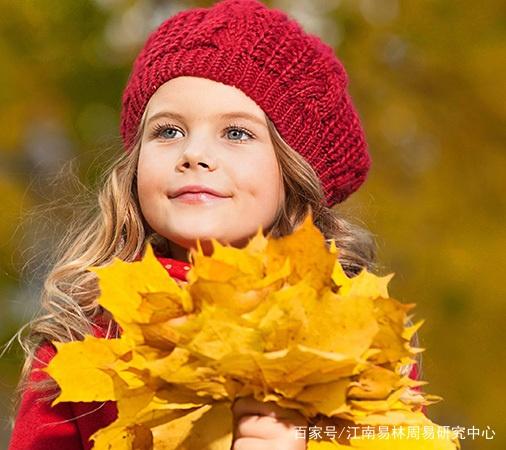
column 198, row 198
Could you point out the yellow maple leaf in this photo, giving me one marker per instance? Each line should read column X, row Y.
column 81, row 369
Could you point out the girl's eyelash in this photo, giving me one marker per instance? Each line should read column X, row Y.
column 238, row 127
column 159, row 128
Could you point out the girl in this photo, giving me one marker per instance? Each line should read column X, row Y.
column 232, row 117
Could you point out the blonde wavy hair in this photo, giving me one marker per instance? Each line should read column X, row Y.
column 115, row 227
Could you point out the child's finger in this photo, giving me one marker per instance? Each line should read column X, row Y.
column 259, row 426
column 246, row 443
column 250, row 406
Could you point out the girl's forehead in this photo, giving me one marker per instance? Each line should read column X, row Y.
column 194, row 95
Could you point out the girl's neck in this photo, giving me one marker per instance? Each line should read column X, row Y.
column 179, row 253
column 183, row 254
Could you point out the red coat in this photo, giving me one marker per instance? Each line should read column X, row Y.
column 68, row 426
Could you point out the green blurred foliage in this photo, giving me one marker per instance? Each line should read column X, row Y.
column 426, row 77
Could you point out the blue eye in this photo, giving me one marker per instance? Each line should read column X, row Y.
column 166, row 131
column 234, row 132
column 169, row 132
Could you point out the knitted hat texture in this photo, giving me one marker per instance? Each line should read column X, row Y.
column 292, row 75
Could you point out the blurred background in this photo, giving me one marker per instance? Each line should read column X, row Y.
column 427, row 77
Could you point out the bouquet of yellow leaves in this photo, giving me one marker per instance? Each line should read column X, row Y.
column 278, row 320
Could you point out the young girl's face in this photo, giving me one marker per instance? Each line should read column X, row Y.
column 199, row 132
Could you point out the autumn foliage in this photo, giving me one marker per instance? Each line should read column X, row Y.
column 278, row 320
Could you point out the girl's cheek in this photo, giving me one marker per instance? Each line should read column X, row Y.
column 257, row 174
column 154, row 167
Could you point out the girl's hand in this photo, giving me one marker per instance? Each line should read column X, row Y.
column 266, row 426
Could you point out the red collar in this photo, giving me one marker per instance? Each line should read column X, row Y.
column 176, row 268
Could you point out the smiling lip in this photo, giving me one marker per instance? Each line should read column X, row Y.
column 198, row 197
column 197, row 189
column 197, row 194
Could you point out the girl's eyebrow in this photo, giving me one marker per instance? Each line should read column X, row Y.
column 229, row 115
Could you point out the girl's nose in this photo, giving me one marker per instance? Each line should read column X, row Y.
column 194, row 157
column 187, row 165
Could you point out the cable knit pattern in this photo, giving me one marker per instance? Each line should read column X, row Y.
column 293, row 76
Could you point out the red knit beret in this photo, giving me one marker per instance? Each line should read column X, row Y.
column 293, row 76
